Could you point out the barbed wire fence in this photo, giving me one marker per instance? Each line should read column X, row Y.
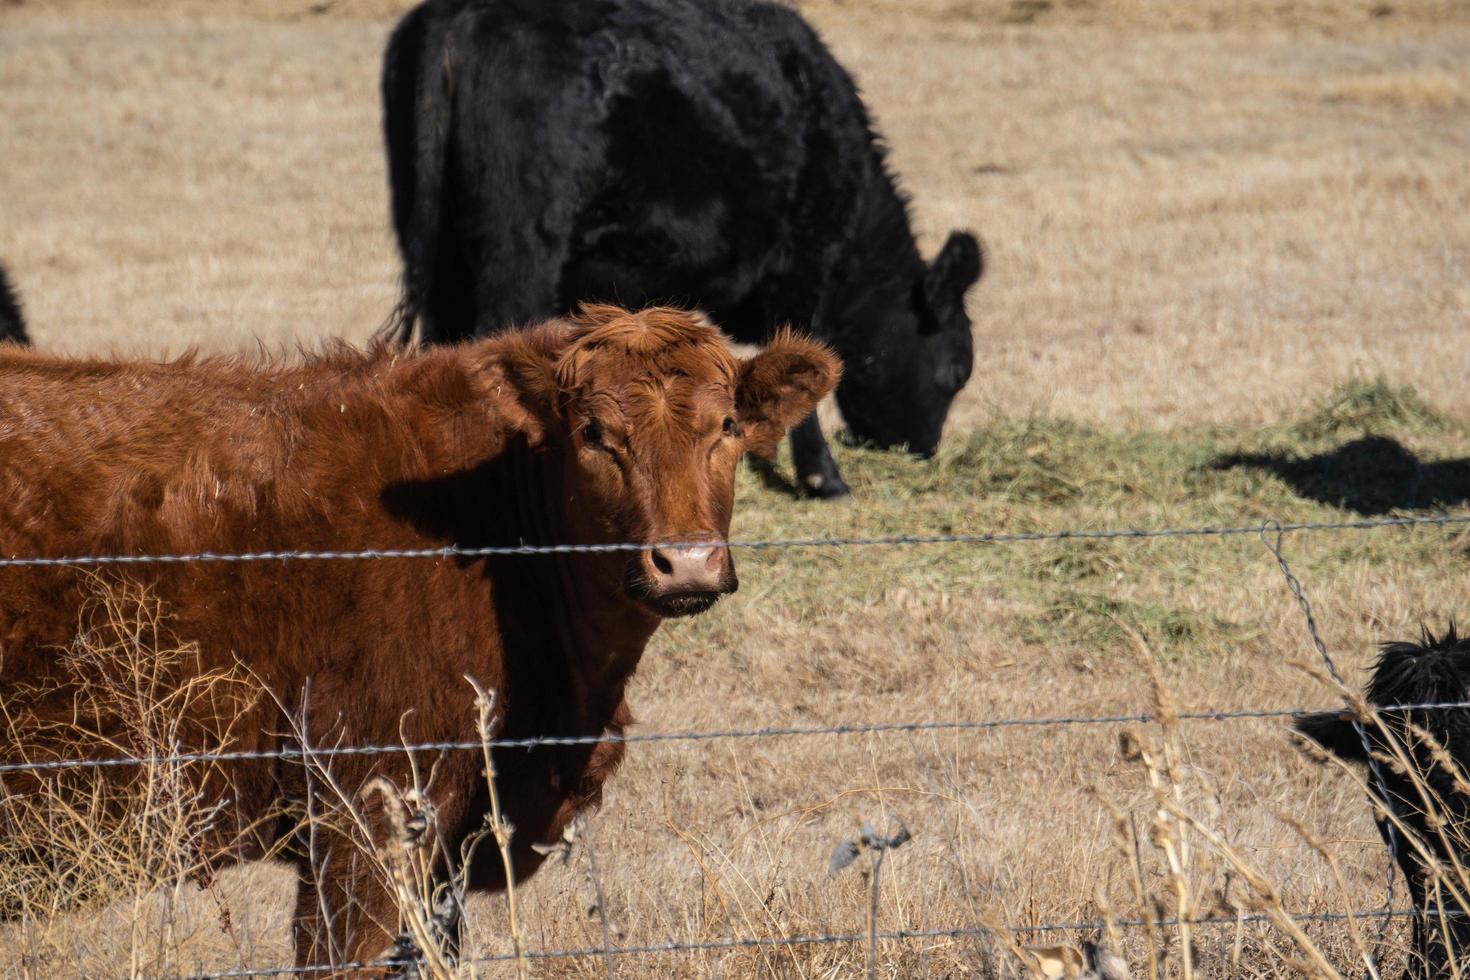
column 1272, row 533
column 766, row 942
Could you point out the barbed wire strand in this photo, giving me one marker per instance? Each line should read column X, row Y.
column 719, row 945
column 457, row 552
column 1389, row 828
column 893, row 540
column 875, row 728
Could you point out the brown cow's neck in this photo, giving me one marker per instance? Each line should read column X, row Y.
column 599, row 633
column 569, row 627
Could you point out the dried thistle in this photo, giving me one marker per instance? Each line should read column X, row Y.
column 877, row 847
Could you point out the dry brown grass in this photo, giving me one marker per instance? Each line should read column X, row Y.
column 1193, row 234
column 1184, row 226
column 138, row 841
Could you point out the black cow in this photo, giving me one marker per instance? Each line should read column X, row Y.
column 1436, row 671
column 12, row 324
column 542, row 153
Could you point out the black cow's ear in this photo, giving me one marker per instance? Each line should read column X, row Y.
column 957, row 267
column 1334, row 731
column 780, row 386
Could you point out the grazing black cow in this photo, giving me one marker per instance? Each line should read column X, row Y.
column 1436, row 671
column 12, row 324
column 543, row 153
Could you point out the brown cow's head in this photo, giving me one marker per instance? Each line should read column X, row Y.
column 654, row 413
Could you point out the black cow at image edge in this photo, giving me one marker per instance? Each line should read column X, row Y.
column 706, row 153
column 1412, row 781
column 12, row 323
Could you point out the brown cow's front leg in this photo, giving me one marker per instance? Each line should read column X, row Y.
column 345, row 913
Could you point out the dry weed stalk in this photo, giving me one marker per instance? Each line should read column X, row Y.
column 125, row 686
column 711, row 881
column 1267, row 895
column 581, row 831
column 408, row 855
column 487, row 725
column 1325, row 853
column 332, row 817
column 1161, row 766
column 1194, row 850
column 391, row 833
column 1125, row 839
column 428, row 883
column 876, row 846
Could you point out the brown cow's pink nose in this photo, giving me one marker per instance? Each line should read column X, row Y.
column 676, row 570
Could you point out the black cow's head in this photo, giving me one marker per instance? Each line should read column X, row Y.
column 1418, row 758
column 914, row 357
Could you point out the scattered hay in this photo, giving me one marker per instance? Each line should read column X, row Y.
column 1374, row 406
column 1091, row 622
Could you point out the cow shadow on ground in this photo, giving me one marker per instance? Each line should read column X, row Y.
column 1372, row 476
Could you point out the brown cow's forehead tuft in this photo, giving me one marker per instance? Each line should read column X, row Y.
column 616, row 348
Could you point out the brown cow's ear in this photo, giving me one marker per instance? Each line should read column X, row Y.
column 780, row 386
column 526, row 361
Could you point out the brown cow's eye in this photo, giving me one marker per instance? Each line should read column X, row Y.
column 592, row 432
column 729, row 427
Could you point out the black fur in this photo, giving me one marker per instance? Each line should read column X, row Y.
column 704, row 152
column 1434, row 671
column 12, row 324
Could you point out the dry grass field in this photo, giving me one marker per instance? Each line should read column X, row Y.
column 1227, row 243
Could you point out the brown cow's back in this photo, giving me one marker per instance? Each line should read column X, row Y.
column 151, row 457
column 223, row 455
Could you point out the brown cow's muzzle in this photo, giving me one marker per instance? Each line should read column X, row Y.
column 683, row 579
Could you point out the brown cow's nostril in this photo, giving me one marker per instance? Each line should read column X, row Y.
column 686, row 579
column 687, row 568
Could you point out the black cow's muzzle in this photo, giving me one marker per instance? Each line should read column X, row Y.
column 848, row 437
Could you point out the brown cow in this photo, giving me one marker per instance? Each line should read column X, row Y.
column 606, row 427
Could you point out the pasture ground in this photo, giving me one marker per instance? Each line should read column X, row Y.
column 1227, row 282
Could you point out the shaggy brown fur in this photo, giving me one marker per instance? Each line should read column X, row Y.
column 606, row 427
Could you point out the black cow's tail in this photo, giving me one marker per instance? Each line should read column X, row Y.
column 12, row 323
column 418, row 102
